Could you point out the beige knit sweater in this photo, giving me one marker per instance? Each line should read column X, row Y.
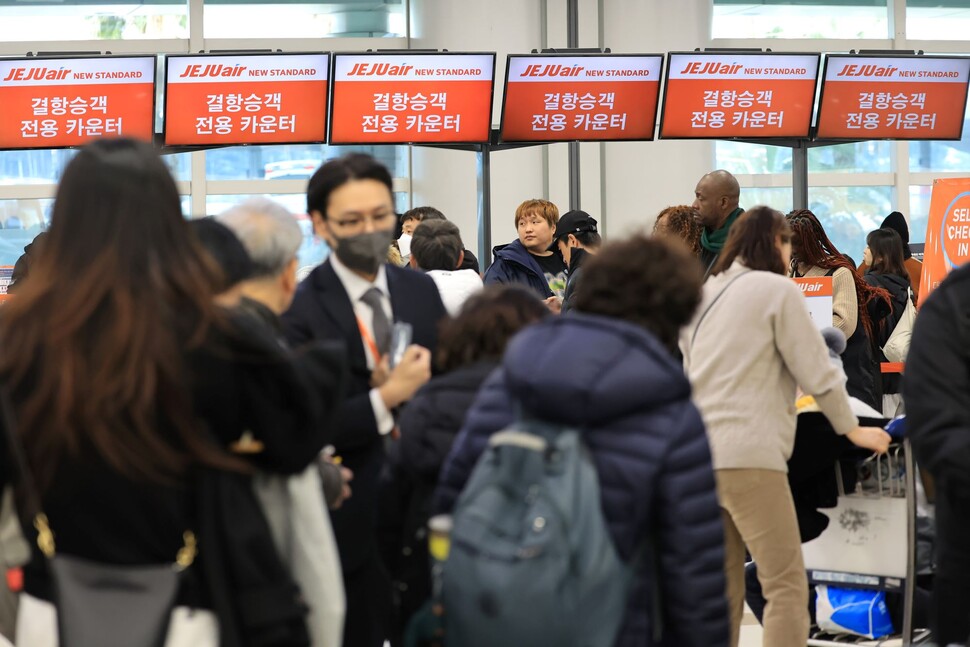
column 845, row 304
column 751, row 351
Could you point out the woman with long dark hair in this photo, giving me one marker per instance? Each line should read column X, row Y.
column 747, row 350
column 853, row 302
column 887, row 270
column 126, row 380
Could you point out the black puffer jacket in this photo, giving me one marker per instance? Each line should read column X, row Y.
column 429, row 424
column 898, row 288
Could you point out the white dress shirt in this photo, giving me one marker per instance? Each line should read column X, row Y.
column 356, row 286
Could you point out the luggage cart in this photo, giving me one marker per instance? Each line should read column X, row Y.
column 870, row 542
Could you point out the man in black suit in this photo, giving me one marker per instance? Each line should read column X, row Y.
column 355, row 296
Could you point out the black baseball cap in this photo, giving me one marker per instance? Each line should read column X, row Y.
column 574, row 222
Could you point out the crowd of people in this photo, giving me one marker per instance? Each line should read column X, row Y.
column 172, row 394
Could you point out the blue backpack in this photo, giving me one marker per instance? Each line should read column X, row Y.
column 532, row 563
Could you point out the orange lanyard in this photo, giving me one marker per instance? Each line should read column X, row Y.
column 368, row 340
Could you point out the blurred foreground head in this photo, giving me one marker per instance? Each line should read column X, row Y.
column 94, row 339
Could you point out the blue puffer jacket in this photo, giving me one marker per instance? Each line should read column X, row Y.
column 651, row 453
column 514, row 264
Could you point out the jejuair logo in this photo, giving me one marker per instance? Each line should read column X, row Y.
column 711, row 67
column 379, row 69
column 552, row 70
column 37, row 74
column 202, row 71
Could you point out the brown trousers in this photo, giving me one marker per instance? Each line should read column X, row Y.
column 758, row 512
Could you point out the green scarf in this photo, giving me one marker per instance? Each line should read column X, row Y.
column 714, row 242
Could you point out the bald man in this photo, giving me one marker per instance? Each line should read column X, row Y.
column 716, row 200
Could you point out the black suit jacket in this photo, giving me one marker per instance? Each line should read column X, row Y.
column 322, row 310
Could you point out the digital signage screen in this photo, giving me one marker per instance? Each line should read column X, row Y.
column 65, row 102
column 246, row 99
column 893, row 97
column 738, row 95
column 596, row 97
column 412, row 97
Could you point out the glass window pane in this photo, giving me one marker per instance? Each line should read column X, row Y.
column 859, row 157
column 779, row 198
column 33, row 167
column 20, row 222
column 744, row 158
column 180, row 165
column 291, row 162
column 779, row 19
column 919, row 212
column 946, row 21
column 48, row 21
column 361, row 19
column 849, row 213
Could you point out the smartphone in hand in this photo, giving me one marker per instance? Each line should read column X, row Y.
column 401, row 336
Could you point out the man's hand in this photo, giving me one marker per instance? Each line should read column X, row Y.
column 554, row 304
column 381, row 372
column 407, row 377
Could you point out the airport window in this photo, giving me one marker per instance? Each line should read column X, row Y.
column 850, row 19
column 300, row 19
column 72, row 21
column 291, row 162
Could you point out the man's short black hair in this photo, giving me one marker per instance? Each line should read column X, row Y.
column 436, row 245
column 340, row 171
column 421, row 214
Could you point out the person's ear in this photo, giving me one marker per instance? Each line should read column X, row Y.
column 288, row 278
column 413, row 262
column 461, row 259
column 572, row 241
column 320, row 226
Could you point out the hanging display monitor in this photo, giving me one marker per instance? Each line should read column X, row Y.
column 594, row 97
column 727, row 95
column 246, row 99
column 412, row 97
column 64, row 102
column 893, row 97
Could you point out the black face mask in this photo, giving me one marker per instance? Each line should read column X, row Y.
column 364, row 252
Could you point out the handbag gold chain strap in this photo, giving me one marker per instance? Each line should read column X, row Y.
column 183, row 559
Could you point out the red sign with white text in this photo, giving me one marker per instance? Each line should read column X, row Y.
column 56, row 103
column 581, row 98
column 947, row 233
column 412, row 98
column 894, row 97
column 246, row 99
column 718, row 96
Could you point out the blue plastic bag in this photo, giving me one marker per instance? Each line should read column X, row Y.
column 852, row 611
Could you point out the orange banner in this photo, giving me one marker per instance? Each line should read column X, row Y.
column 739, row 95
column 257, row 99
column 411, row 98
column 893, row 98
column 581, row 98
column 56, row 103
column 947, row 232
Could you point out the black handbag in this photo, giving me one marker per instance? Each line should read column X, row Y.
column 100, row 605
